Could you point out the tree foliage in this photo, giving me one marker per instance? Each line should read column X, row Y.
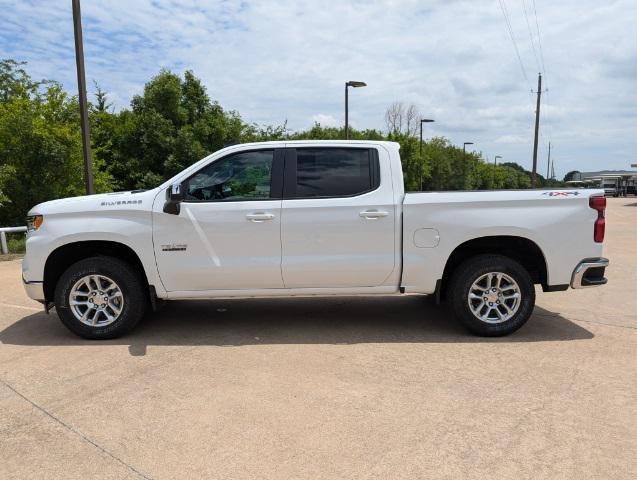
column 170, row 125
column 572, row 175
column 167, row 128
column 40, row 144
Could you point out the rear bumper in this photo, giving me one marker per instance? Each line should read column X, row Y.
column 589, row 273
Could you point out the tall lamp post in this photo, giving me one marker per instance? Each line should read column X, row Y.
column 495, row 164
column 355, row 84
column 423, row 120
column 464, row 161
column 81, row 86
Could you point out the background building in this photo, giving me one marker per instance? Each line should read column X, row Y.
column 614, row 182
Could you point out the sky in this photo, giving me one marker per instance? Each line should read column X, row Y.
column 287, row 60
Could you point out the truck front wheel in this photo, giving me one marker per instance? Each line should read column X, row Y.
column 492, row 295
column 100, row 298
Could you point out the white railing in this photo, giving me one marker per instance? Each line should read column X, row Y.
column 3, row 236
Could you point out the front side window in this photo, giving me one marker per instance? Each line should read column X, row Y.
column 244, row 176
column 333, row 172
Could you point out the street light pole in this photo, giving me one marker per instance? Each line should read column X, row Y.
column 495, row 165
column 355, row 84
column 81, row 86
column 422, row 120
column 346, row 112
column 464, row 161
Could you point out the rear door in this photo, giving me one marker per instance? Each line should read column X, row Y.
column 338, row 218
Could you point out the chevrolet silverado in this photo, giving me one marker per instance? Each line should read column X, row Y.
column 309, row 218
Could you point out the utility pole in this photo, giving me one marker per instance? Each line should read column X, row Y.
column 548, row 165
column 537, row 130
column 553, row 169
column 81, row 86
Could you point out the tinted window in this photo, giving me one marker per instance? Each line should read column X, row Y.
column 244, row 176
column 332, row 172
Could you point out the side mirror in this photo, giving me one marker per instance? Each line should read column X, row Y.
column 174, row 196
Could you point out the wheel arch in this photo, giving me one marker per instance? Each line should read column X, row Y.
column 521, row 249
column 66, row 255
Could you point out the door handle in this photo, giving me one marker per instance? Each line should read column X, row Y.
column 259, row 217
column 373, row 214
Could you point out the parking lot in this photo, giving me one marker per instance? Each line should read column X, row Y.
column 384, row 387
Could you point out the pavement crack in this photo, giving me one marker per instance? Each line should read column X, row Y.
column 555, row 315
column 608, row 324
column 75, row 431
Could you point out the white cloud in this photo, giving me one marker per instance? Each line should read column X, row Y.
column 326, row 120
column 274, row 61
column 511, row 139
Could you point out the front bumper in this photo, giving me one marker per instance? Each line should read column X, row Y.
column 35, row 290
column 589, row 273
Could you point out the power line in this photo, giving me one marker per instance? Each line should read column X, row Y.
column 545, row 113
column 528, row 25
column 507, row 20
column 539, row 41
column 547, row 100
column 547, row 122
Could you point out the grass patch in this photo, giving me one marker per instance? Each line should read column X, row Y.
column 16, row 242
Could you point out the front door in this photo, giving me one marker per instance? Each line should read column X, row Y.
column 228, row 231
column 339, row 219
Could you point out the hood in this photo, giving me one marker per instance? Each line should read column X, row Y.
column 135, row 199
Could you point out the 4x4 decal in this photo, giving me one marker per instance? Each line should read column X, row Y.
column 561, row 194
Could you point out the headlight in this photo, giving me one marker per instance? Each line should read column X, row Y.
column 34, row 222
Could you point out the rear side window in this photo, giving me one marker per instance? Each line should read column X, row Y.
column 335, row 172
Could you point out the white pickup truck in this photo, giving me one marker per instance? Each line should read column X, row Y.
column 309, row 218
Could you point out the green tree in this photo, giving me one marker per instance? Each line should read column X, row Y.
column 169, row 127
column 572, row 175
column 416, row 168
column 172, row 124
column 40, row 144
column 6, row 172
column 15, row 81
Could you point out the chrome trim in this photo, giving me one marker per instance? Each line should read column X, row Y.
column 583, row 267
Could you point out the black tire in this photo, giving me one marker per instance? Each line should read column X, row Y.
column 128, row 280
column 471, row 270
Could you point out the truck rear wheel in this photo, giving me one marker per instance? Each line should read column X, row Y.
column 492, row 295
column 100, row 298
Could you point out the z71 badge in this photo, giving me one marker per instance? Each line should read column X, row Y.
column 174, row 247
